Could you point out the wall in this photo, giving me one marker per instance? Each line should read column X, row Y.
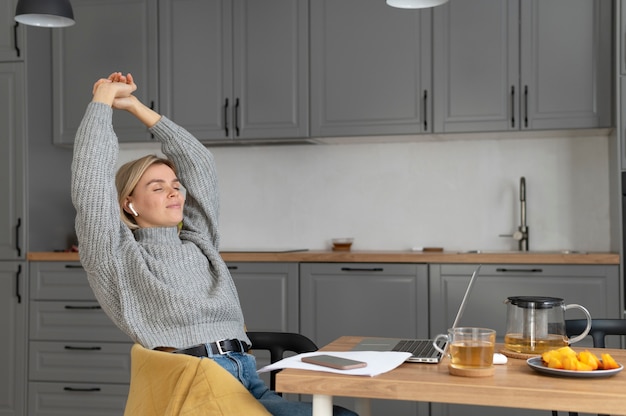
column 456, row 194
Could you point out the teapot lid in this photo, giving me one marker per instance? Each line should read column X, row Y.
column 535, row 302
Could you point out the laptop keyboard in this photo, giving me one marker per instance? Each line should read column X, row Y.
column 419, row 348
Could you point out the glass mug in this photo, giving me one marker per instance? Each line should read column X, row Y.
column 468, row 348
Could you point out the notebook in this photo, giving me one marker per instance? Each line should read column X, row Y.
column 422, row 349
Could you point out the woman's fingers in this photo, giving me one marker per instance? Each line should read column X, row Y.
column 116, row 77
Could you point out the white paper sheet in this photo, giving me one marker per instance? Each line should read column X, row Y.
column 378, row 362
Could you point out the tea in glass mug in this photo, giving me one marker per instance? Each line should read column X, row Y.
column 471, row 354
column 469, row 348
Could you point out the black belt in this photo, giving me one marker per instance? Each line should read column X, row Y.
column 219, row 347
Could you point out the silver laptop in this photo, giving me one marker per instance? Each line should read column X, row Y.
column 422, row 350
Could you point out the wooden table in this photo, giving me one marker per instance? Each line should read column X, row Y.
column 513, row 385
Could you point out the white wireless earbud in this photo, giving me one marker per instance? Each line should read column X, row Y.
column 132, row 209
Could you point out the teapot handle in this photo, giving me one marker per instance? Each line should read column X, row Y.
column 587, row 329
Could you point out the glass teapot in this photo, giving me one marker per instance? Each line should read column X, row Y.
column 535, row 324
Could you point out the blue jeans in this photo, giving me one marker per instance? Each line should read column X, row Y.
column 243, row 367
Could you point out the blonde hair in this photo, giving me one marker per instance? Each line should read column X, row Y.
column 127, row 177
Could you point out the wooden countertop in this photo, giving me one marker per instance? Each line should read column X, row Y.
column 508, row 257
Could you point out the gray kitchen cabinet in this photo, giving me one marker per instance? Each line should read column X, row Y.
column 269, row 297
column 235, row 69
column 621, row 87
column 370, row 69
column 13, row 310
column 79, row 361
column 595, row 287
column 268, row 293
column 12, row 161
column 620, row 51
column 109, row 36
column 12, row 34
column 522, row 65
column 363, row 299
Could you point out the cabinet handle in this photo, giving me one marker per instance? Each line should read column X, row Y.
column 525, row 105
column 359, row 269
column 236, row 117
column 425, row 110
column 88, row 389
column 503, row 270
column 232, row 267
column 69, row 347
column 513, row 106
column 18, row 279
column 17, row 49
column 73, row 266
column 17, row 237
column 226, row 117
column 84, row 308
column 152, row 108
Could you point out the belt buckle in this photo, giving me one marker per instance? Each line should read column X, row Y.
column 219, row 347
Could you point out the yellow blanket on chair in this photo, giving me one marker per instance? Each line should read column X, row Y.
column 165, row 384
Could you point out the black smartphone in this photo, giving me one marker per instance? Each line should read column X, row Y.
column 332, row 361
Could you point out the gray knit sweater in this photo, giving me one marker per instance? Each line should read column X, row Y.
column 160, row 287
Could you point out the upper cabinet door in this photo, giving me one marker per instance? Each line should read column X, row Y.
column 566, row 50
column 370, row 69
column 476, row 65
column 621, row 31
column 522, row 65
column 12, row 34
column 235, row 69
column 271, row 56
column 12, row 162
column 196, row 65
column 109, row 36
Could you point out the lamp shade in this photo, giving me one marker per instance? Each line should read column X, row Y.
column 46, row 13
column 415, row 4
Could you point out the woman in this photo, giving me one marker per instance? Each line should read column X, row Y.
column 166, row 287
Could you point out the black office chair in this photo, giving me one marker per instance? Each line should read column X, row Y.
column 277, row 343
column 600, row 328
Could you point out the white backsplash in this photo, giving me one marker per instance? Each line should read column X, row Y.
column 455, row 194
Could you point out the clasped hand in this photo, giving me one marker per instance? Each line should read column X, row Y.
column 116, row 90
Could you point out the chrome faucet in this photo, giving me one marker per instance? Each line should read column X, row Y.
column 521, row 235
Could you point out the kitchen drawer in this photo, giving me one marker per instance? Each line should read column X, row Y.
column 80, row 361
column 72, row 321
column 76, row 399
column 54, row 280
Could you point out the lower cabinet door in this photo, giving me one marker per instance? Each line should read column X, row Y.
column 76, row 399
column 365, row 299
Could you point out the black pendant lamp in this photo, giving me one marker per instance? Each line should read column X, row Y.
column 415, row 4
column 45, row 13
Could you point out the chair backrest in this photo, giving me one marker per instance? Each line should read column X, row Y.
column 277, row 343
column 599, row 329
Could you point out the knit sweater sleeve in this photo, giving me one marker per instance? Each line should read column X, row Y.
column 197, row 173
column 101, row 233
